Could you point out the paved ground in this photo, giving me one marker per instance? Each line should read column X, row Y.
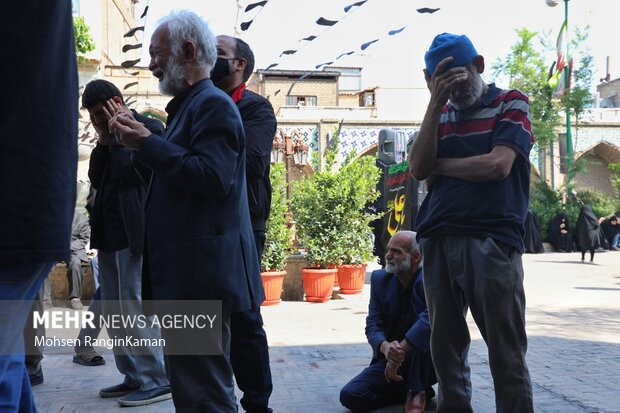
column 574, row 354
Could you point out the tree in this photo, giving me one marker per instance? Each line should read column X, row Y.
column 579, row 96
column 526, row 71
column 84, row 43
column 615, row 180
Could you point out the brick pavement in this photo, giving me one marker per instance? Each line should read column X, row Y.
column 574, row 352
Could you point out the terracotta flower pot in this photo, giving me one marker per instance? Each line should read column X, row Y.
column 335, row 278
column 351, row 278
column 272, row 284
column 318, row 284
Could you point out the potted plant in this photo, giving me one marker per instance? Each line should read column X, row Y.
column 332, row 221
column 278, row 234
column 318, row 206
column 359, row 178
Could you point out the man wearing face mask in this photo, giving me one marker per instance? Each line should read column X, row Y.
column 474, row 144
column 249, row 352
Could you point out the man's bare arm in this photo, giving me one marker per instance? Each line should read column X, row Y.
column 423, row 155
column 495, row 165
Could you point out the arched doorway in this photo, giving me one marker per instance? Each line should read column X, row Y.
column 592, row 168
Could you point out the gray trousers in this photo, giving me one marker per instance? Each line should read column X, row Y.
column 120, row 281
column 486, row 276
column 75, row 275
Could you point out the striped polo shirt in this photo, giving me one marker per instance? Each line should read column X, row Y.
column 495, row 209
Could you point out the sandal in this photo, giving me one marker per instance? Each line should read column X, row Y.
column 91, row 358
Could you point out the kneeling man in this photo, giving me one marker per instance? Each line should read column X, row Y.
column 398, row 331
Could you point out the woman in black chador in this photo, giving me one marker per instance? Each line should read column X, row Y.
column 587, row 231
column 533, row 240
column 559, row 234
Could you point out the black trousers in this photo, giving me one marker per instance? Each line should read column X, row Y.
column 369, row 390
column 249, row 353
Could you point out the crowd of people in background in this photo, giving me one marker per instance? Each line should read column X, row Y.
column 587, row 234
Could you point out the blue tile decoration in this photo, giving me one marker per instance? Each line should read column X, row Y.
column 361, row 139
column 309, row 134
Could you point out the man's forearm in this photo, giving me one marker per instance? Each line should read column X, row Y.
column 423, row 154
column 492, row 166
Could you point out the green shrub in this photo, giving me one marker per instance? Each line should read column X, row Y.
column 547, row 202
column 330, row 210
column 615, row 180
column 601, row 204
column 278, row 234
column 359, row 178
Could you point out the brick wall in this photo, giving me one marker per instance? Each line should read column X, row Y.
column 326, row 91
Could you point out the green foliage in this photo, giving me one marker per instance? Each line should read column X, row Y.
column 526, row 71
column 579, row 96
column 615, row 180
column 84, row 43
column 359, row 178
column 546, row 203
column 330, row 210
column 601, row 204
column 278, row 234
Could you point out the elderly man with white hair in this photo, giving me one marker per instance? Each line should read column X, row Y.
column 199, row 241
column 397, row 328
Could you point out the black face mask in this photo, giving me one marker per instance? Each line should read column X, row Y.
column 221, row 69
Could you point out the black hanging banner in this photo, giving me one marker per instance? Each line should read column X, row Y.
column 133, row 31
column 324, row 22
column 254, row 5
column 129, row 63
column 400, row 192
column 427, row 10
column 350, row 6
column 128, row 47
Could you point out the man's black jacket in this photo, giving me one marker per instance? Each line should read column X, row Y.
column 259, row 123
column 114, row 160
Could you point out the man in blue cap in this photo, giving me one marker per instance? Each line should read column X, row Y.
column 473, row 148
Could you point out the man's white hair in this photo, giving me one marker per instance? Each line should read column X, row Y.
column 185, row 25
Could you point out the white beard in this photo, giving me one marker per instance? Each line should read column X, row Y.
column 468, row 99
column 398, row 267
column 174, row 78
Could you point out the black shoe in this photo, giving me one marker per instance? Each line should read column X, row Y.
column 36, row 378
column 430, row 393
column 144, row 397
column 117, row 390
